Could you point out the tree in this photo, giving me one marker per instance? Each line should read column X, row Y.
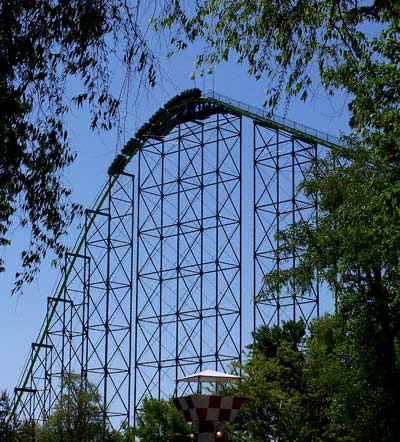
column 354, row 245
column 77, row 416
column 11, row 431
column 342, row 369
column 354, row 248
column 7, row 433
column 309, row 388
column 280, row 405
column 354, row 46
column 159, row 421
column 334, row 379
column 43, row 46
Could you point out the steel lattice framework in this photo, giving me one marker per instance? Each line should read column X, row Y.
column 89, row 326
column 109, row 247
column 280, row 162
column 188, row 302
column 163, row 278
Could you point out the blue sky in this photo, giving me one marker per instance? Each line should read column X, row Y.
column 21, row 315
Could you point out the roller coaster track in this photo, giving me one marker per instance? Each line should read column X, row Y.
column 188, row 108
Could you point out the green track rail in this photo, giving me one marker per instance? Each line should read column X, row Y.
column 221, row 102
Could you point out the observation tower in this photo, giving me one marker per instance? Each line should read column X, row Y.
column 208, row 413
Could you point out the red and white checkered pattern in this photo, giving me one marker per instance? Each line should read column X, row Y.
column 205, row 408
column 208, row 414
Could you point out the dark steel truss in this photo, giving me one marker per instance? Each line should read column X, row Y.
column 40, row 381
column 66, row 333
column 109, row 246
column 188, row 299
column 89, row 327
column 280, row 162
column 25, row 412
column 33, row 406
column 24, row 420
column 192, row 237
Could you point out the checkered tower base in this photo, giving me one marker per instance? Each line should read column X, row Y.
column 208, row 414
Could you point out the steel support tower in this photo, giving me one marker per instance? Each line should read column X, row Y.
column 280, row 163
column 163, row 281
column 109, row 247
column 89, row 325
column 188, row 293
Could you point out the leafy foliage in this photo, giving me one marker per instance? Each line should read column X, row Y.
column 342, row 361
column 78, row 415
column 43, row 47
column 354, row 244
column 281, row 41
column 6, row 431
column 354, row 247
column 279, row 403
column 319, row 387
column 159, row 421
column 11, row 431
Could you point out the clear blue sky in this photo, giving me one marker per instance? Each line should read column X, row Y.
column 22, row 316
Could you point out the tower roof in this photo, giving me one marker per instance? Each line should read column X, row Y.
column 209, row 376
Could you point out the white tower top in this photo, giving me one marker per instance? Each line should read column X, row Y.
column 209, row 376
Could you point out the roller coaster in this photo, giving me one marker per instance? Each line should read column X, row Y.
column 162, row 280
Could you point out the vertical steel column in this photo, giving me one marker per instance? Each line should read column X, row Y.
column 24, row 413
column 178, row 248
column 280, row 163
column 109, row 245
column 217, row 250
column 59, row 314
column 316, row 209
column 40, row 381
column 241, row 240
column 188, row 299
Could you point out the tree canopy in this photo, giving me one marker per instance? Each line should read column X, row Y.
column 158, row 421
column 353, row 46
column 6, row 430
column 353, row 245
column 77, row 416
column 316, row 387
column 43, row 47
column 275, row 387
